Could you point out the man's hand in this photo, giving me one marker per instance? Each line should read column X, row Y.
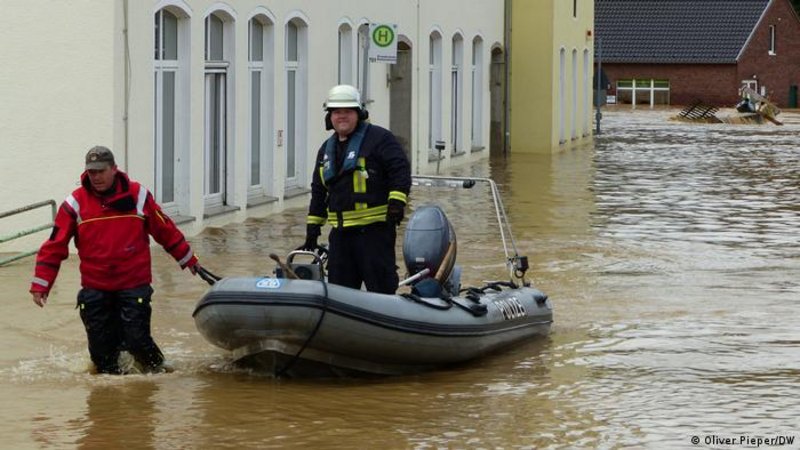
column 395, row 212
column 40, row 298
column 312, row 233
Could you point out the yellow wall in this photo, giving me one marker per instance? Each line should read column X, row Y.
column 539, row 105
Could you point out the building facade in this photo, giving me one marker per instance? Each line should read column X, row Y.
column 550, row 92
column 668, row 53
column 217, row 106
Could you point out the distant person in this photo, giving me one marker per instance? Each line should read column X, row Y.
column 360, row 185
column 111, row 218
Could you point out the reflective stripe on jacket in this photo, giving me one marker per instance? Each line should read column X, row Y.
column 359, row 195
column 111, row 234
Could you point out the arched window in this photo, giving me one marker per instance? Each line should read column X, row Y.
column 166, row 127
column 476, row 130
column 296, row 64
column 573, row 113
column 363, row 62
column 456, row 93
column 345, row 54
column 587, row 92
column 434, row 89
column 218, row 51
column 260, row 56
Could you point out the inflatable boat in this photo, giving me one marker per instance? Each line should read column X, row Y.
column 297, row 324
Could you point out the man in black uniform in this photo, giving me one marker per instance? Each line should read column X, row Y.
column 360, row 185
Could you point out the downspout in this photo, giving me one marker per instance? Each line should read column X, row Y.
column 507, row 76
column 127, row 84
column 416, row 54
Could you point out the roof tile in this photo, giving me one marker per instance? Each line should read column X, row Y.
column 675, row 31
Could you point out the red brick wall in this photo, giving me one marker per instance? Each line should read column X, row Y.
column 714, row 84
column 777, row 73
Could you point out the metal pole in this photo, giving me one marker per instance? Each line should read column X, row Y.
column 598, row 114
column 439, row 146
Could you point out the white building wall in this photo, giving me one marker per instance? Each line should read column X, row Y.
column 65, row 91
column 57, row 97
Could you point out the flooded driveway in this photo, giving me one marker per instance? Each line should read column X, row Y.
column 670, row 252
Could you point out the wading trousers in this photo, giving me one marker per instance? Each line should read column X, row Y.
column 116, row 321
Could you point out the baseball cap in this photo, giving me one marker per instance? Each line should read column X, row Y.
column 99, row 157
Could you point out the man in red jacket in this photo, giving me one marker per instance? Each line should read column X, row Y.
column 111, row 218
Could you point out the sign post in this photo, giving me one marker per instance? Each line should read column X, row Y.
column 383, row 43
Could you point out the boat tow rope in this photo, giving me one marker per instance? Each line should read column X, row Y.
column 282, row 371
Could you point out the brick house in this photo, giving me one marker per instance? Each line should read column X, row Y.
column 678, row 51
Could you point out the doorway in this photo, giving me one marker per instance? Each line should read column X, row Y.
column 400, row 97
column 497, row 107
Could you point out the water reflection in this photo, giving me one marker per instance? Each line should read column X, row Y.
column 132, row 423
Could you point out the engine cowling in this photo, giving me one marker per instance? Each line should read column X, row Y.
column 428, row 238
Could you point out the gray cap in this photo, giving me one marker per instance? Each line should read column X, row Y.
column 99, row 158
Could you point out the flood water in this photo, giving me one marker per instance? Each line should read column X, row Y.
column 670, row 252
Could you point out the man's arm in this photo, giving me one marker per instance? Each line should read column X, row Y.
column 167, row 234
column 397, row 168
column 52, row 252
column 318, row 206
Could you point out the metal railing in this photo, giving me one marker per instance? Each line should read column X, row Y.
column 22, row 233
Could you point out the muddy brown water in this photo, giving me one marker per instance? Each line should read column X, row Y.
column 670, row 252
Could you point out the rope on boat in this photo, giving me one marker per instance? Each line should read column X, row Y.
column 477, row 309
column 282, row 371
column 421, row 300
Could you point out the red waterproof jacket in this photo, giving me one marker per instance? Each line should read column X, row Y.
column 112, row 237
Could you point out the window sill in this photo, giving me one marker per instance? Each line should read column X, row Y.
column 477, row 149
column 219, row 211
column 456, row 154
column 260, row 200
column 293, row 192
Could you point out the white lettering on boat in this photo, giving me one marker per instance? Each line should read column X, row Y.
column 511, row 308
column 268, row 283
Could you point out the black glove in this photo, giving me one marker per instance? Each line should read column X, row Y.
column 395, row 212
column 312, row 233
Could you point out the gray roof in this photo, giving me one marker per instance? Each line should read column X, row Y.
column 675, row 31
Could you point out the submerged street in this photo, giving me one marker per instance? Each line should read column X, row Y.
column 670, row 252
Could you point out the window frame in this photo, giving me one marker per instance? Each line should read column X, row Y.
column 362, row 63
column 456, row 93
column 634, row 85
column 345, row 56
column 264, row 71
column 218, row 94
column 434, row 89
column 295, row 106
column 476, row 128
column 771, row 51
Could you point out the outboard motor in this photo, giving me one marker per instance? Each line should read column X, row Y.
column 430, row 243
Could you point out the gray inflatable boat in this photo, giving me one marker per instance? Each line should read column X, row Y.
column 297, row 324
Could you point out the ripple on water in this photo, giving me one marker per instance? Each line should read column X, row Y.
column 679, row 377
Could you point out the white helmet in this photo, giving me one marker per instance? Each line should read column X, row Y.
column 343, row 96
